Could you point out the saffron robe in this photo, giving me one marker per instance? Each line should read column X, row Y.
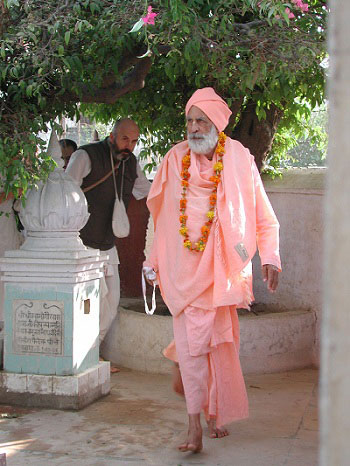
column 218, row 279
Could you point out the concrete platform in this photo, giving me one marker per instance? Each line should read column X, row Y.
column 54, row 391
column 142, row 421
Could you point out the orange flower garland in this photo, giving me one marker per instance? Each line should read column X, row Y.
column 199, row 246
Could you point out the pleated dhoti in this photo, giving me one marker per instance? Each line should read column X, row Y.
column 206, row 346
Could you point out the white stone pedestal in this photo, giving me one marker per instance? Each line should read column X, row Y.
column 56, row 392
column 52, row 301
column 51, row 311
column 51, row 351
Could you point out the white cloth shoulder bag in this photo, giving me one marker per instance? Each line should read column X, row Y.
column 120, row 220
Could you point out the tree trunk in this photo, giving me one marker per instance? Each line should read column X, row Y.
column 257, row 135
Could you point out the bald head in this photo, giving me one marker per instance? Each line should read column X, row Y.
column 124, row 124
column 124, row 136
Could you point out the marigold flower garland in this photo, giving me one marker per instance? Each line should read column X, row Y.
column 200, row 245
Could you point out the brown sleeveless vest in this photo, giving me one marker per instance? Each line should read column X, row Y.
column 98, row 233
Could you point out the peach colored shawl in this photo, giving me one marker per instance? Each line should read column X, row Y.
column 219, row 276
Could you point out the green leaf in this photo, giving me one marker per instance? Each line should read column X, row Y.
column 77, row 63
column 93, row 8
column 137, row 26
column 67, row 37
column 4, row 71
column 11, row 3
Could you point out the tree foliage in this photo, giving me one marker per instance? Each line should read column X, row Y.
column 63, row 58
column 308, row 149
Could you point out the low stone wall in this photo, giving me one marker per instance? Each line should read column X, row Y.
column 297, row 199
column 271, row 342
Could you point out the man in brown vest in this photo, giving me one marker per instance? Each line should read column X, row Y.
column 88, row 166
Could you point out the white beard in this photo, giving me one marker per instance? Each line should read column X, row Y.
column 204, row 143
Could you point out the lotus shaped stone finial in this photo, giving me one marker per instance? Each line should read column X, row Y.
column 55, row 211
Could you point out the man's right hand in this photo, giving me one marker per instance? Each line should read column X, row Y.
column 150, row 275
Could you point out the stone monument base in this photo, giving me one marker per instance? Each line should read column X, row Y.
column 54, row 391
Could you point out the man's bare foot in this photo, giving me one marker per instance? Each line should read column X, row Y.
column 215, row 432
column 113, row 369
column 194, row 436
column 177, row 381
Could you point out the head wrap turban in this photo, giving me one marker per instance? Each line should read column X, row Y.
column 215, row 108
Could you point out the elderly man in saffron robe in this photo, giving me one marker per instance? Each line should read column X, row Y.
column 210, row 211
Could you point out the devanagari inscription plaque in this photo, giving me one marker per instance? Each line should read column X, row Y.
column 38, row 327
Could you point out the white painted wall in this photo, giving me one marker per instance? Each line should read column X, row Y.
column 297, row 199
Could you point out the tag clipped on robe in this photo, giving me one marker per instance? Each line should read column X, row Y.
column 242, row 252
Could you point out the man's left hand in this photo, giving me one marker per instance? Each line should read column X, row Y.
column 270, row 275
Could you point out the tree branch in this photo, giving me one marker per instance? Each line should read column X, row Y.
column 109, row 94
column 127, row 61
column 235, row 108
column 248, row 26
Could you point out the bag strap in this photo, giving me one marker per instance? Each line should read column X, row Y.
column 114, row 181
column 154, row 304
column 104, row 178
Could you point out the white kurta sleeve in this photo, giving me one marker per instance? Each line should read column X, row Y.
column 142, row 185
column 79, row 166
